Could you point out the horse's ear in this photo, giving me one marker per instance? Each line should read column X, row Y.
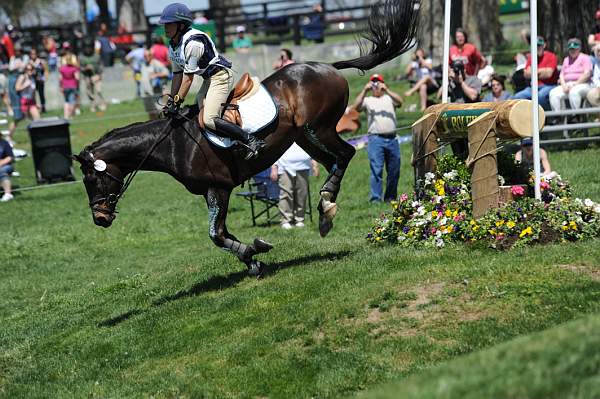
column 78, row 158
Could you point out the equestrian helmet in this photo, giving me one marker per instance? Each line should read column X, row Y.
column 176, row 12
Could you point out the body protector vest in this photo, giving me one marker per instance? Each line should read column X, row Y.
column 209, row 63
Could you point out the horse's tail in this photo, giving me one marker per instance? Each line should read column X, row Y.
column 392, row 30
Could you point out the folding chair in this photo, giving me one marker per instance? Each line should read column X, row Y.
column 265, row 193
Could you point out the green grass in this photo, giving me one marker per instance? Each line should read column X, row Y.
column 150, row 307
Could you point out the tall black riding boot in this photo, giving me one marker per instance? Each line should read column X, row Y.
column 235, row 132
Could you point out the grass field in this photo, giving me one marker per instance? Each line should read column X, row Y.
column 151, row 308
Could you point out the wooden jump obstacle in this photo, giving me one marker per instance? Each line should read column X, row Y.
column 483, row 124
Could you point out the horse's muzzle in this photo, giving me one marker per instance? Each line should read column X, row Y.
column 103, row 219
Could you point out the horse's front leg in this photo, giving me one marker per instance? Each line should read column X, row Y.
column 217, row 201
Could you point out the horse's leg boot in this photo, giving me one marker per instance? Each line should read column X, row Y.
column 235, row 132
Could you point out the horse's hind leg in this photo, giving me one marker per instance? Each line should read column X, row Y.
column 327, row 144
column 217, row 201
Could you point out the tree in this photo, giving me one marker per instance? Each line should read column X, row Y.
column 560, row 20
column 480, row 18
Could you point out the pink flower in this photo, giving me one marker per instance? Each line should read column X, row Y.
column 403, row 197
column 458, row 218
column 544, row 185
column 433, row 230
column 517, row 191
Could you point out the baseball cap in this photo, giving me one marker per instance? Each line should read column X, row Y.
column 376, row 77
column 527, row 141
column 540, row 41
column 240, row 28
column 574, row 43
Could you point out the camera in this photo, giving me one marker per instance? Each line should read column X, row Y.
column 459, row 68
column 374, row 85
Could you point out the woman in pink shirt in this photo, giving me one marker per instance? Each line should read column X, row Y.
column 574, row 79
column 69, row 84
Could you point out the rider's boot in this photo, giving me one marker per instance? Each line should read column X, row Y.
column 235, row 132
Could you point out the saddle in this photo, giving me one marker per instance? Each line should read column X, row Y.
column 245, row 87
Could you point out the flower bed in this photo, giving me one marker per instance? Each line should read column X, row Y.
column 442, row 213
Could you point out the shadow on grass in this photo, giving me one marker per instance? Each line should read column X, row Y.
column 221, row 282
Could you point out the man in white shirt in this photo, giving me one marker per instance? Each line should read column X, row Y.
column 291, row 171
column 383, row 146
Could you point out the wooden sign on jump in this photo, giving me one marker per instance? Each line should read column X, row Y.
column 482, row 124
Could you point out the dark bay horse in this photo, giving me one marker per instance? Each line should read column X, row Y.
column 311, row 98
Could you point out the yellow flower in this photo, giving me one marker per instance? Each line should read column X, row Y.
column 565, row 228
column 434, row 214
column 472, row 222
column 499, row 223
column 573, row 225
column 441, row 192
column 448, row 213
column 377, row 238
column 526, row 231
column 510, row 224
column 455, row 213
column 449, row 229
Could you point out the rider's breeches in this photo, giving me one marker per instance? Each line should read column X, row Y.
column 215, row 91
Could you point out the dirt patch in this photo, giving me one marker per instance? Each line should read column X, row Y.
column 424, row 296
column 591, row 271
column 374, row 316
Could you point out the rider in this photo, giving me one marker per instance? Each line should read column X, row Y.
column 192, row 52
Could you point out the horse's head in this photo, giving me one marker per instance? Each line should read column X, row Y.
column 103, row 183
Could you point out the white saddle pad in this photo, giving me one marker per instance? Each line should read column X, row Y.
column 257, row 112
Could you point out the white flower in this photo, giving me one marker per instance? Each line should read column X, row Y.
column 439, row 242
column 438, row 198
column 420, row 222
column 443, row 221
column 501, row 180
column 597, row 208
column 429, row 176
column 428, row 216
column 450, row 175
column 578, row 201
column 415, row 204
column 401, row 238
column 588, row 202
column 421, row 210
column 438, row 233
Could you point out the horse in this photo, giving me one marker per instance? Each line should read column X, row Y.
column 311, row 98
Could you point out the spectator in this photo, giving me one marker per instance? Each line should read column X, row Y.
column 498, row 91
column 136, row 59
column 50, row 47
column 593, row 95
column 467, row 53
column 154, row 76
column 4, row 60
column 292, row 171
column 463, row 88
column 91, row 70
column 315, row 27
column 8, row 43
column 574, row 77
column 105, row 47
column 422, row 67
column 6, row 160
column 547, row 75
column 525, row 157
column 594, row 37
column 160, row 52
column 40, row 69
column 69, row 85
column 67, row 52
column 383, row 146
column 26, row 87
column 242, row 43
column 16, row 67
column 285, row 58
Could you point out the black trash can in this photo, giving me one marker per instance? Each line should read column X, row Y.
column 51, row 150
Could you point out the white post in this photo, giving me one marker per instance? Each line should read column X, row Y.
column 535, row 123
column 446, row 56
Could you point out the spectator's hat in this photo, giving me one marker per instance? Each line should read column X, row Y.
column 376, row 78
column 66, row 45
column 574, row 43
column 240, row 28
column 598, row 14
column 540, row 41
column 527, row 141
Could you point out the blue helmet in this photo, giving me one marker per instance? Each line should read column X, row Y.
column 176, row 12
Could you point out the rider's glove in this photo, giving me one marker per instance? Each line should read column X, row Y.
column 172, row 107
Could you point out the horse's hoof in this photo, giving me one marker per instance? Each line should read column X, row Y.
column 262, row 246
column 255, row 268
column 325, row 225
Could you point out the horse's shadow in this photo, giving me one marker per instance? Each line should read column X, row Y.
column 222, row 282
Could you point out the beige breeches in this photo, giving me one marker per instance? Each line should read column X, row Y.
column 214, row 92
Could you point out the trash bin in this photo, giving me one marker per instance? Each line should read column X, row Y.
column 51, row 150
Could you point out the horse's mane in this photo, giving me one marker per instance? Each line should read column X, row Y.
column 123, row 131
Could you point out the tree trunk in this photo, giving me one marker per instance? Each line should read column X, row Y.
column 560, row 20
column 132, row 17
column 480, row 18
column 104, row 14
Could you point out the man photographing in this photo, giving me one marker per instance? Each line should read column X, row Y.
column 383, row 146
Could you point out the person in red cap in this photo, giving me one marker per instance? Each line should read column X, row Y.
column 383, row 146
column 594, row 38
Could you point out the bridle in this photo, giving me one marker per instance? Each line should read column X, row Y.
column 111, row 198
